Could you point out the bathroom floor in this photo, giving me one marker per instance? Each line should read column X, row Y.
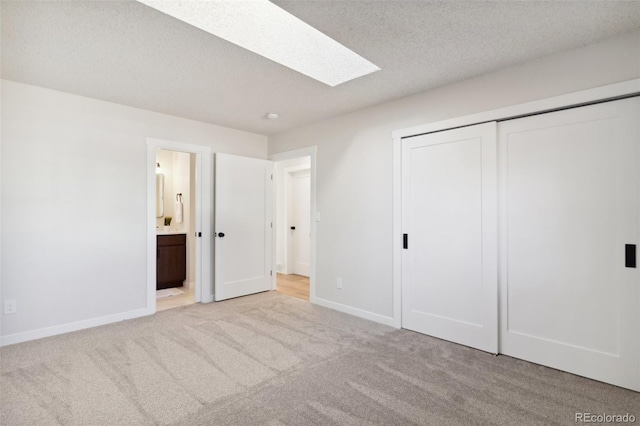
column 186, row 298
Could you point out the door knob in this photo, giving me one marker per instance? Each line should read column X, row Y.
column 220, row 234
column 293, row 228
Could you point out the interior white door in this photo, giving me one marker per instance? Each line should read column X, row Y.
column 569, row 204
column 300, row 220
column 449, row 216
column 243, row 217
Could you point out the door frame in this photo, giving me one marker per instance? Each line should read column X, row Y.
column 584, row 97
column 315, row 216
column 203, row 214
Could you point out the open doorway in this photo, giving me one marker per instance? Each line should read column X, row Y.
column 175, row 228
column 294, row 224
column 183, row 172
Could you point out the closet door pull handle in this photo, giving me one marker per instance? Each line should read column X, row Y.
column 630, row 255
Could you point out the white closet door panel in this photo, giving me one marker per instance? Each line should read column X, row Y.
column 449, row 284
column 569, row 204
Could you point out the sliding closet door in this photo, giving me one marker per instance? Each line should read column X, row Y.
column 449, row 216
column 569, row 189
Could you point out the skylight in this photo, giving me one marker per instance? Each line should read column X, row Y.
column 263, row 28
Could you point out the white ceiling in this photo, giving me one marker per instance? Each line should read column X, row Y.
column 128, row 53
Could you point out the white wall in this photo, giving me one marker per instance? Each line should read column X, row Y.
column 74, row 182
column 182, row 185
column 165, row 158
column 281, row 169
column 354, row 160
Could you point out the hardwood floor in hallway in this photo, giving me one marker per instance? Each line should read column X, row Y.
column 293, row 285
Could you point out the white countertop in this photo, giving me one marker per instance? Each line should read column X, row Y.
column 160, row 231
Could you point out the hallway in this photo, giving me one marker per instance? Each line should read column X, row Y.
column 293, row 285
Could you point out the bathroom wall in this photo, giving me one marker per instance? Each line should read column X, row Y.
column 165, row 158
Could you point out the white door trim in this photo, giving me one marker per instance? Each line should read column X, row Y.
column 203, row 214
column 611, row 91
column 288, row 155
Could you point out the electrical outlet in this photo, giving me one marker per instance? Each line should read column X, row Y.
column 339, row 282
column 10, row 307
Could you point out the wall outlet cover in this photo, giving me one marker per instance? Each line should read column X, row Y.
column 10, row 307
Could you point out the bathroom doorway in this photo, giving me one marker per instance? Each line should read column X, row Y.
column 179, row 255
column 175, row 228
column 295, row 223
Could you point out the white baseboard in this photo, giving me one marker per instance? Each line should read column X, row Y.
column 26, row 336
column 72, row 326
column 361, row 313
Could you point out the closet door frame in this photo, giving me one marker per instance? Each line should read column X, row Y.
column 580, row 98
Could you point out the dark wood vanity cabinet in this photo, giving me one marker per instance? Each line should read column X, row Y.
column 171, row 260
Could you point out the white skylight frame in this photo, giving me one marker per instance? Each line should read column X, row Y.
column 264, row 28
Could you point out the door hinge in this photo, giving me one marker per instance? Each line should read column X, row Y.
column 405, row 241
column 271, row 224
column 271, row 177
column 271, row 273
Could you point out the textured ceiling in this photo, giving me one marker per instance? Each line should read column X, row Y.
column 128, row 53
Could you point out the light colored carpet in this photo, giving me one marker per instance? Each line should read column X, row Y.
column 276, row 360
